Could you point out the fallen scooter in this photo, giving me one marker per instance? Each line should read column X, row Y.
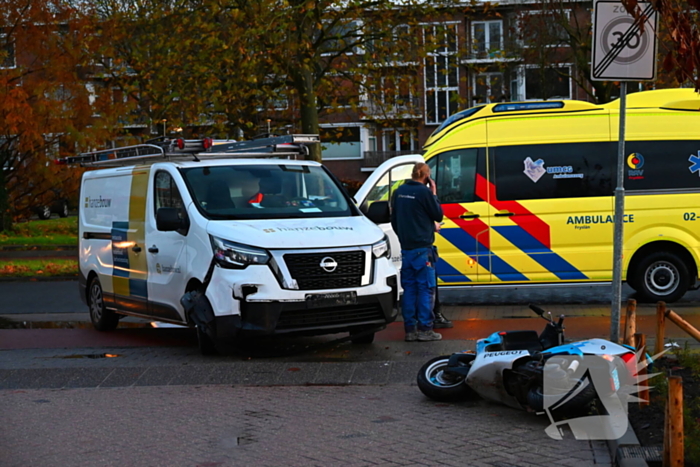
column 534, row 372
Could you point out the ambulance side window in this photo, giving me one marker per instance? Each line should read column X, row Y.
column 662, row 165
column 454, row 173
column 550, row 171
column 166, row 193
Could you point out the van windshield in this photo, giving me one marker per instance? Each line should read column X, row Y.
column 266, row 192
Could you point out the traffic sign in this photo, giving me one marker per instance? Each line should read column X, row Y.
column 624, row 48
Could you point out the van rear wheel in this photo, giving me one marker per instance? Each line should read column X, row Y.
column 102, row 318
column 661, row 276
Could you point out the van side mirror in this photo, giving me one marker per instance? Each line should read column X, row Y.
column 378, row 212
column 168, row 220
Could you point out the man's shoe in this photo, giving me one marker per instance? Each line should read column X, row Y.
column 441, row 322
column 427, row 336
column 411, row 337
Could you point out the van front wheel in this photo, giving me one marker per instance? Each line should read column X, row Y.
column 661, row 276
column 102, row 318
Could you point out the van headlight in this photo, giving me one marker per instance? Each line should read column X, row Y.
column 381, row 248
column 236, row 256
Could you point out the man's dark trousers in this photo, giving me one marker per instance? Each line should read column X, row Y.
column 418, row 281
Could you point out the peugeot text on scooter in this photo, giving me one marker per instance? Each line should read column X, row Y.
column 540, row 374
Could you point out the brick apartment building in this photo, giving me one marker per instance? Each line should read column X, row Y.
column 483, row 59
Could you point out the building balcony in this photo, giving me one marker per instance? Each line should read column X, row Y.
column 408, row 109
column 134, row 121
column 488, row 56
column 376, row 158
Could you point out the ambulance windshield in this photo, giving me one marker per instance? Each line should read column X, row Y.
column 266, row 192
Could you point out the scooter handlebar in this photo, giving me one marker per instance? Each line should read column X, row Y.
column 537, row 309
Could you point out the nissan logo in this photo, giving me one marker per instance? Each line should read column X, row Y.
column 328, row 264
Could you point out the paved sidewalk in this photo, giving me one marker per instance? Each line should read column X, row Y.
column 144, row 396
column 391, row 425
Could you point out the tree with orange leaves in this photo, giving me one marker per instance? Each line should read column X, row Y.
column 45, row 107
column 678, row 20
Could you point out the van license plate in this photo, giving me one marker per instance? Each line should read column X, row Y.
column 321, row 300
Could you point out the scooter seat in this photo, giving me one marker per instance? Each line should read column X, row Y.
column 522, row 340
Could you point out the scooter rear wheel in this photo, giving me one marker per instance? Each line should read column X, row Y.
column 437, row 385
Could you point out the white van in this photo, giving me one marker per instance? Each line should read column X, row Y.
column 233, row 245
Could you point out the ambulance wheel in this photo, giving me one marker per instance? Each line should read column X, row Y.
column 102, row 318
column 661, row 276
column 206, row 344
column 440, row 386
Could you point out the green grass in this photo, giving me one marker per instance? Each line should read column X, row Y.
column 46, row 233
column 39, row 267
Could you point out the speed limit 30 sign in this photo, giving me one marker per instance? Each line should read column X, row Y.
column 624, row 48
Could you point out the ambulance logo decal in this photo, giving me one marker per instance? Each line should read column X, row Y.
column 534, row 169
column 695, row 161
column 635, row 162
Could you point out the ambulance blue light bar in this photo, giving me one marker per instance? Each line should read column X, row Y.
column 521, row 106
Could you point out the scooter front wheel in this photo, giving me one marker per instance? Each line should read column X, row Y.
column 440, row 386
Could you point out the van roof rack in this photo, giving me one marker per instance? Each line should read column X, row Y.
column 164, row 149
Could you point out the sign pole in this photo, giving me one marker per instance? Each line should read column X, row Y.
column 624, row 49
column 619, row 225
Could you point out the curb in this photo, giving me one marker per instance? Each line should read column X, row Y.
column 39, row 278
column 626, row 450
column 29, row 254
column 47, row 248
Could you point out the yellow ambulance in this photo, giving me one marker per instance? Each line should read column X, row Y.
column 527, row 191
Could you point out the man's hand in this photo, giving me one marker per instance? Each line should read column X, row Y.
column 438, row 226
column 431, row 185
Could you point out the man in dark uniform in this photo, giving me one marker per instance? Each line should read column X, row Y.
column 415, row 210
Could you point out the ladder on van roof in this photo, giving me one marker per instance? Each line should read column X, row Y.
column 166, row 149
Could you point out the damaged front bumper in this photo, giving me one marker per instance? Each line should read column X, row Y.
column 256, row 305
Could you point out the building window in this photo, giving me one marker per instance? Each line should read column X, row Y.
column 441, row 72
column 488, row 87
column 487, row 38
column 7, row 52
column 397, row 50
column 342, row 38
column 400, row 140
column 392, row 95
column 341, row 142
column 536, row 83
column 543, row 28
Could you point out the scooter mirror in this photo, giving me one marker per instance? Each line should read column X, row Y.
column 536, row 309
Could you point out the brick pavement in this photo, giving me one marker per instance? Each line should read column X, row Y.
column 296, row 404
column 389, row 425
